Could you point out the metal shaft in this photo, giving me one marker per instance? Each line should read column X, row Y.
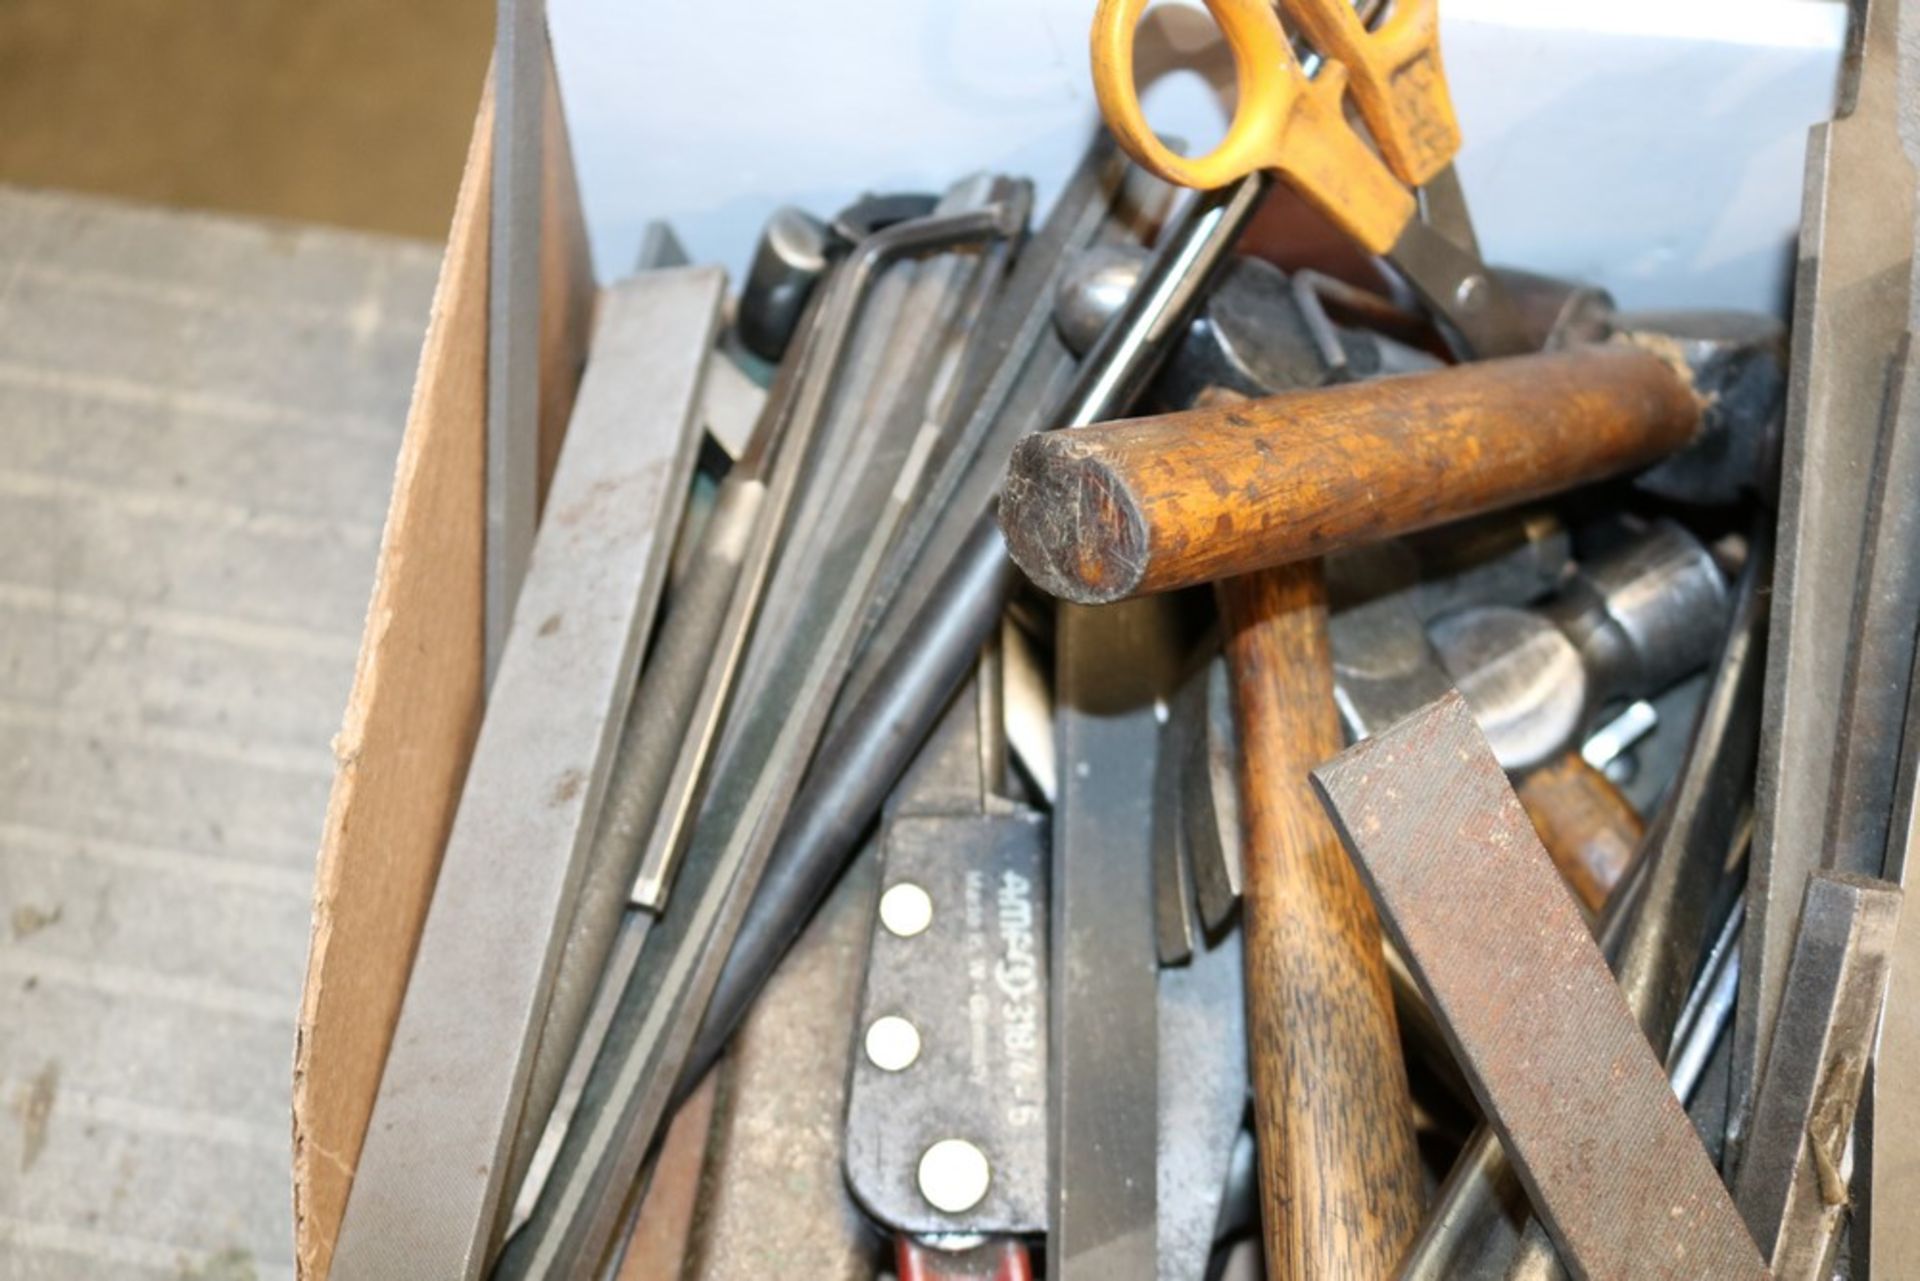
column 623, row 1110
column 858, row 764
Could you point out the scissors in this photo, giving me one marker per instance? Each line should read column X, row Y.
column 1294, row 123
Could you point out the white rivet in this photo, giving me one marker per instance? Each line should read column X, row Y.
column 892, row 1043
column 954, row 1176
column 906, row 909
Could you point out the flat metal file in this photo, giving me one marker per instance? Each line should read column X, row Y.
column 1885, row 618
column 1792, row 1184
column 1655, row 944
column 431, row 1176
column 1203, row 1100
column 1852, row 300
column 1560, row 1067
column 513, row 310
column 1114, row 667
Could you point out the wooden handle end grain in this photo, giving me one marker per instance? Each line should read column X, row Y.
column 1070, row 521
column 1339, row 1176
column 1101, row 513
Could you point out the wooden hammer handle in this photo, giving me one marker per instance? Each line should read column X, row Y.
column 1589, row 828
column 1122, row 509
column 1339, row 1175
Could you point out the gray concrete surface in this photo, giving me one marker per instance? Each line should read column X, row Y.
column 198, row 422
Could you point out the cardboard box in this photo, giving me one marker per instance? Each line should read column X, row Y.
column 401, row 754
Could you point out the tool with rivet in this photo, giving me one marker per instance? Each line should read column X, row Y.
column 945, row 1133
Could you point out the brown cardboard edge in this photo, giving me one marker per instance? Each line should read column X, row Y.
column 402, row 751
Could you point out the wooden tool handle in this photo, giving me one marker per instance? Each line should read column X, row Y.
column 1339, row 1177
column 1122, row 509
column 1589, row 828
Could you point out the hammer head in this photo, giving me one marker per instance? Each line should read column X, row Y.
column 1261, row 333
column 1737, row 364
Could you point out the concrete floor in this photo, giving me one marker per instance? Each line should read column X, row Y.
column 349, row 112
column 198, row 423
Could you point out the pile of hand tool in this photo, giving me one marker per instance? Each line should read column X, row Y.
column 1058, row 747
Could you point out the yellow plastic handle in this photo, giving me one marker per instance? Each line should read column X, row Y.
column 1284, row 122
column 1261, row 58
column 1397, row 79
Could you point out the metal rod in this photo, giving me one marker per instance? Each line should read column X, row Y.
column 622, row 1113
column 859, row 762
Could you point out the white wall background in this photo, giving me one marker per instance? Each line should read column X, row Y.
column 1653, row 146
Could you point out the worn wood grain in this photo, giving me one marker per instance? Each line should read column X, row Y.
column 1149, row 504
column 1339, row 1178
column 1590, row 829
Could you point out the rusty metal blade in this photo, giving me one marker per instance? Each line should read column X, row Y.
column 1555, row 1057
